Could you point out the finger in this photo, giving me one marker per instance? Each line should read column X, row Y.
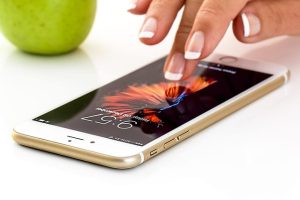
column 138, row 7
column 261, row 20
column 159, row 19
column 211, row 23
column 176, row 67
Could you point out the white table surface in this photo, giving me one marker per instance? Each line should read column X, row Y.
column 252, row 154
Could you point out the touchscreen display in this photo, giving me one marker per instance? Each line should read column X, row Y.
column 143, row 105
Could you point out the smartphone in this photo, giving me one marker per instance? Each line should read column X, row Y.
column 131, row 120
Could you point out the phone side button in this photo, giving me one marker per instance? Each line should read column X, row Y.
column 184, row 135
column 170, row 143
column 153, row 152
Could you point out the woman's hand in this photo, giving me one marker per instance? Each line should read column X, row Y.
column 204, row 23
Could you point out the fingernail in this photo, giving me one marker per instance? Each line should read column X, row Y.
column 195, row 46
column 175, row 67
column 251, row 23
column 149, row 28
column 132, row 4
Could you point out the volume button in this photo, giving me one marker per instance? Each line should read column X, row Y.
column 170, row 143
column 184, row 135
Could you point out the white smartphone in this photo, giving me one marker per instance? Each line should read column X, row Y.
column 134, row 118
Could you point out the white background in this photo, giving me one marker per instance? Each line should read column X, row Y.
column 252, row 154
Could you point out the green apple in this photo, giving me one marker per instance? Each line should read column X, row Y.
column 47, row 26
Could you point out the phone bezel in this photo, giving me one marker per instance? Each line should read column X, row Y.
column 120, row 149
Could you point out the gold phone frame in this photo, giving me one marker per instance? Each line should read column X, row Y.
column 133, row 161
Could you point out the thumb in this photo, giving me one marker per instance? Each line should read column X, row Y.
column 260, row 20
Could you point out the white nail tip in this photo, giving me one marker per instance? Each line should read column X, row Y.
column 146, row 34
column 173, row 76
column 131, row 6
column 246, row 25
column 189, row 55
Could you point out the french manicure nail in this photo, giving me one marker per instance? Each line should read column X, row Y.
column 132, row 4
column 251, row 24
column 194, row 46
column 175, row 67
column 149, row 28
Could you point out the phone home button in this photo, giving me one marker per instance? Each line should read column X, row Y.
column 228, row 59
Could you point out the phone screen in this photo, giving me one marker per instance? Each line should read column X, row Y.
column 142, row 106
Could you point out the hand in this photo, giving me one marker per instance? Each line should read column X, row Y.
column 204, row 23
